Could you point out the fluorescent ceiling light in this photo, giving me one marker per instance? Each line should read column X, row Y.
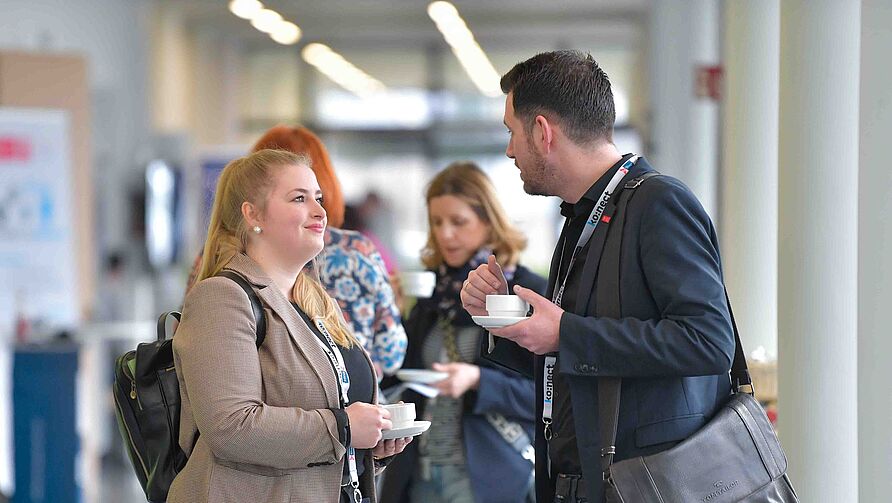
column 341, row 71
column 286, row 33
column 245, row 9
column 465, row 47
column 266, row 20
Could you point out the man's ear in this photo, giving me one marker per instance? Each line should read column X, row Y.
column 543, row 132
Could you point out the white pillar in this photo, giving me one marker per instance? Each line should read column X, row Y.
column 684, row 137
column 875, row 256
column 215, row 75
column 818, row 240
column 749, row 175
column 171, row 63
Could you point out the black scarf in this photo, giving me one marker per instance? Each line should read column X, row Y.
column 447, row 294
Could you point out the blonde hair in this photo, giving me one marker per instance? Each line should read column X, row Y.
column 466, row 181
column 250, row 179
column 299, row 139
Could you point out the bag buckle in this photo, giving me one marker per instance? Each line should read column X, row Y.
column 752, row 389
column 633, row 184
column 608, row 451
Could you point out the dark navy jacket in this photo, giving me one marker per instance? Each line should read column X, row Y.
column 497, row 471
column 672, row 346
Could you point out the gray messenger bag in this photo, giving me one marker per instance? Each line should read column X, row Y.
column 735, row 457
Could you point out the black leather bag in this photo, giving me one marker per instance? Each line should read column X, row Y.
column 735, row 457
column 147, row 403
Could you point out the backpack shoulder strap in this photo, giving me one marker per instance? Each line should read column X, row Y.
column 162, row 323
column 256, row 306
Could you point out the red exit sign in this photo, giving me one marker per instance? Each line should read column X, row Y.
column 708, row 82
column 14, row 149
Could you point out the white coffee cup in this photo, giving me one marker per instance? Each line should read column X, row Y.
column 418, row 283
column 506, row 305
column 401, row 414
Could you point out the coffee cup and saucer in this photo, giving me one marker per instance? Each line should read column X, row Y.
column 402, row 415
column 503, row 311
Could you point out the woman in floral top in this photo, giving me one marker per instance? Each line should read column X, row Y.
column 350, row 267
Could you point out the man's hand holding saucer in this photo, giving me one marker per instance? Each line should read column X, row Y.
column 539, row 334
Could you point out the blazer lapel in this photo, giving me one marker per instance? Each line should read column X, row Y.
column 598, row 239
column 556, row 261
column 592, row 262
column 304, row 339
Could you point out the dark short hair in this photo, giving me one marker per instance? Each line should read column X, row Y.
column 568, row 84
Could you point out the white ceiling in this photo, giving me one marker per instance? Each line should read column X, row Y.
column 497, row 24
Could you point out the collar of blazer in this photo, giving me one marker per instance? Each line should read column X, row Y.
column 304, row 339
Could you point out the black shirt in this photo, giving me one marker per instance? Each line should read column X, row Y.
column 562, row 448
column 362, row 381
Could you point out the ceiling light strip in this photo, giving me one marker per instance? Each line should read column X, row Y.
column 266, row 20
column 330, row 63
column 341, row 71
column 469, row 53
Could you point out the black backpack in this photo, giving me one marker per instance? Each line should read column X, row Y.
column 147, row 403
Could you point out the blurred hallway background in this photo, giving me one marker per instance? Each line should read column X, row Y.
column 776, row 113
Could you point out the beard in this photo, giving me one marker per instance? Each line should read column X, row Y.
column 538, row 178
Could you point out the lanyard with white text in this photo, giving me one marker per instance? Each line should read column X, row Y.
column 587, row 231
column 592, row 222
column 334, row 354
column 337, row 360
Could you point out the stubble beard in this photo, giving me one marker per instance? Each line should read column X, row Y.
column 539, row 177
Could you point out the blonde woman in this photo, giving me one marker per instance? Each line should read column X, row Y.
column 473, row 439
column 276, row 423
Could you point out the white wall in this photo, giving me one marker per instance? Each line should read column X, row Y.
column 112, row 36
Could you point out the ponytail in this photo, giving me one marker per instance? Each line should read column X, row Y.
column 315, row 301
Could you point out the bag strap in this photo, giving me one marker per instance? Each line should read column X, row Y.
column 162, row 323
column 513, row 433
column 608, row 304
column 256, row 306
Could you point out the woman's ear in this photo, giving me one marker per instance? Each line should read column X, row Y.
column 250, row 214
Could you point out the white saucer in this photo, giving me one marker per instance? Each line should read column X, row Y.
column 497, row 321
column 417, row 428
column 423, row 376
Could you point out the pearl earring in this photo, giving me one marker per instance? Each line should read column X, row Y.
column 257, row 229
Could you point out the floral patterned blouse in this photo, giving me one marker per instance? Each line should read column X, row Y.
column 353, row 273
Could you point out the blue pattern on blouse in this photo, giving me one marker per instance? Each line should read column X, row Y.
column 353, row 272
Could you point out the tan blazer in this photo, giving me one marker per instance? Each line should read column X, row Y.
column 266, row 433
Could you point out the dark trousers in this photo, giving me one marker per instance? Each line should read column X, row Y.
column 570, row 489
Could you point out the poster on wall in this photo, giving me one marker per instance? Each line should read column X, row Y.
column 202, row 172
column 38, row 277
